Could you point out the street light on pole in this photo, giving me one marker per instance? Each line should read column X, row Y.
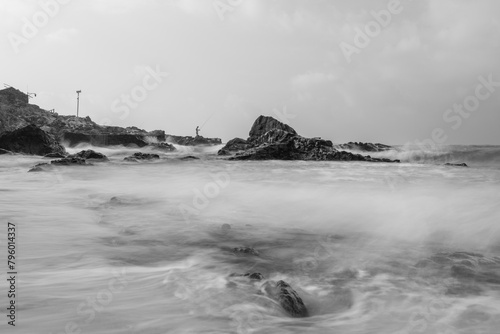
column 78, row 102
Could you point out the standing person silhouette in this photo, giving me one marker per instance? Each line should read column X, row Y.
column 197, row 130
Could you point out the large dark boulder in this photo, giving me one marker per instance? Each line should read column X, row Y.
column 90, row 154
column 264, row 124
column 234, row 145
column 31, row 140
column 166, row 147
column 103, row 139
column 290, row 300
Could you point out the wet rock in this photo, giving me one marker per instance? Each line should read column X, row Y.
column 30, row 140
column 189, row 157
column 252, row 276
column 246, row 250
column 55, row 155
column 141, row 156
column 90, row 154
column 225, row 228
column 69, row 161
column 456, row 165
column 263, row 124
column 74, row 161
column 193, row 141
column 166, row 147
column 290, row 300
column 103, row 138
column 2, row 151
column 234, row 145
column 367, row 147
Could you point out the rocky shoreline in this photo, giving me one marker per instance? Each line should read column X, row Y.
column 28, row 129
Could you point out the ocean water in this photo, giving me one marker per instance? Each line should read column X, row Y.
column 124, row 247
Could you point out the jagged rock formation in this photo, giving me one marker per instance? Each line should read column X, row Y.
column 30, row 140
column 272, row 140
column 192, row 141
column 90, row 155
column 166, row 147
column 366, row 147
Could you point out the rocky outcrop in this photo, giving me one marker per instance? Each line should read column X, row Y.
column 30, row 140
column 272, row 140
column 90, row 154
column 193, row 141
column 165, row 147
column 103, row 139
column 264, row 124
column 234, row 145
column 365, row 147
column 141, row 156
column 16, row 113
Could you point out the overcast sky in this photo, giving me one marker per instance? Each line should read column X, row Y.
column 219, row 64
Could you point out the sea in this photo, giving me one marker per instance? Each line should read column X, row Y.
column 149, row 247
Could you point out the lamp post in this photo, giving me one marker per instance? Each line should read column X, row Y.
column 78, row 102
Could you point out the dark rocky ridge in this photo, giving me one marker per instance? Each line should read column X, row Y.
column 30, row 140
column 272, row 140
column 192, row 141
column 16, row 113
column 366, row 147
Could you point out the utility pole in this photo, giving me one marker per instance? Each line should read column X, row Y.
column 78, row 102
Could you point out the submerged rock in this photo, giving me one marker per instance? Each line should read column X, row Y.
column 55, row 155
column 70, row 161
column 289, row 299
column 456, row 165
column 189, row 157
column 252, row 276
column 166, row 147
column 31, row 140
column 141, row 156
column 90, row 154
column 246, row 250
